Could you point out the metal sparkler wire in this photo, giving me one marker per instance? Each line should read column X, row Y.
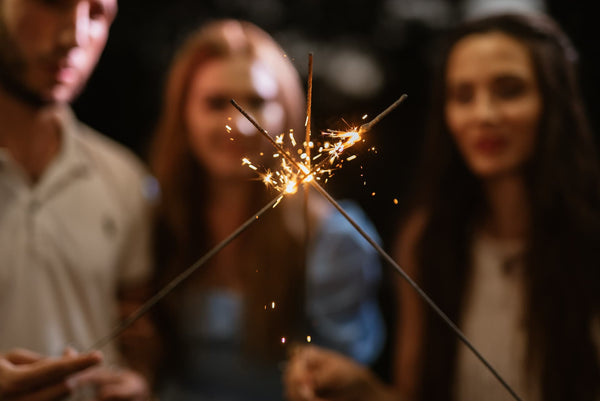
column 167, row 289
column 307, row 147
column 362, row 129
column 308, row 109
column 367, row 126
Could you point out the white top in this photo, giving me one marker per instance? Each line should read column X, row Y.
column 69, row 241
column 493, row 322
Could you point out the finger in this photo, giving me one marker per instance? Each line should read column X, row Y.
column 131, row 386
column 327, row 382
column 299, row 392
column 113, row 392
column 117, row 392
column 294, row 349
column 329, row 379
column 306, row 392
column 295, row 371
column 305, row 359
column 314, row 357
column 98, row 376
column 47, row 371
column 70, row 352
column 327, row 398
column 20, row 356
column 54, row 392
column 298, row 380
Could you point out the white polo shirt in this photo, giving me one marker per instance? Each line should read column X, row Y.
column 68, row 242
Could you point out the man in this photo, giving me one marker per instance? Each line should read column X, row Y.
column 73, row 213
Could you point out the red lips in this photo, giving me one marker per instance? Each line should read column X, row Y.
column 490, row 145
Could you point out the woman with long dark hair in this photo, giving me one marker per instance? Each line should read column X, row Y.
column 227, row 330
column 504, row 230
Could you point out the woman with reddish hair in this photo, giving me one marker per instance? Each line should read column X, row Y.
column 228, row 329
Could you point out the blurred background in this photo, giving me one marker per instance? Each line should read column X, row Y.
column 366, row 54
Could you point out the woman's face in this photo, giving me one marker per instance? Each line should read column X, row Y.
column 493, row 103
column 220, row 136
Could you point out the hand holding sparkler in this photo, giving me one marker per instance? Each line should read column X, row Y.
column 25, row 375
column 317, row 374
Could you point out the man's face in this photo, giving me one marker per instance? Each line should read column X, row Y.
column 48, row 48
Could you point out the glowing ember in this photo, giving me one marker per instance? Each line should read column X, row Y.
column 291, row 188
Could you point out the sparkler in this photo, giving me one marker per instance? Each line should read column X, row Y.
column 350, row 139
column 290, row 185
column 307, row 144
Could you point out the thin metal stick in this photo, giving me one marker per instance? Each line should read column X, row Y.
column 308, row 108
column 307, row 133
column 366, row 127
column 167, row 289
column 382, row 252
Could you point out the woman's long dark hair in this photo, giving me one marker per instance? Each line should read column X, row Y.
column 562, row 272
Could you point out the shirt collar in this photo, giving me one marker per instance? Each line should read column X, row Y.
column 70, row 162
column 68, row 157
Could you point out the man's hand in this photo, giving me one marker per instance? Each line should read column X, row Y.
column 28, row 376
column 113, row 384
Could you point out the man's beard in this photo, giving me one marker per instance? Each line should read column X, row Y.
column 12, row 66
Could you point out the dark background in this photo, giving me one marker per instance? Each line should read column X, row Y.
column 366, row 54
